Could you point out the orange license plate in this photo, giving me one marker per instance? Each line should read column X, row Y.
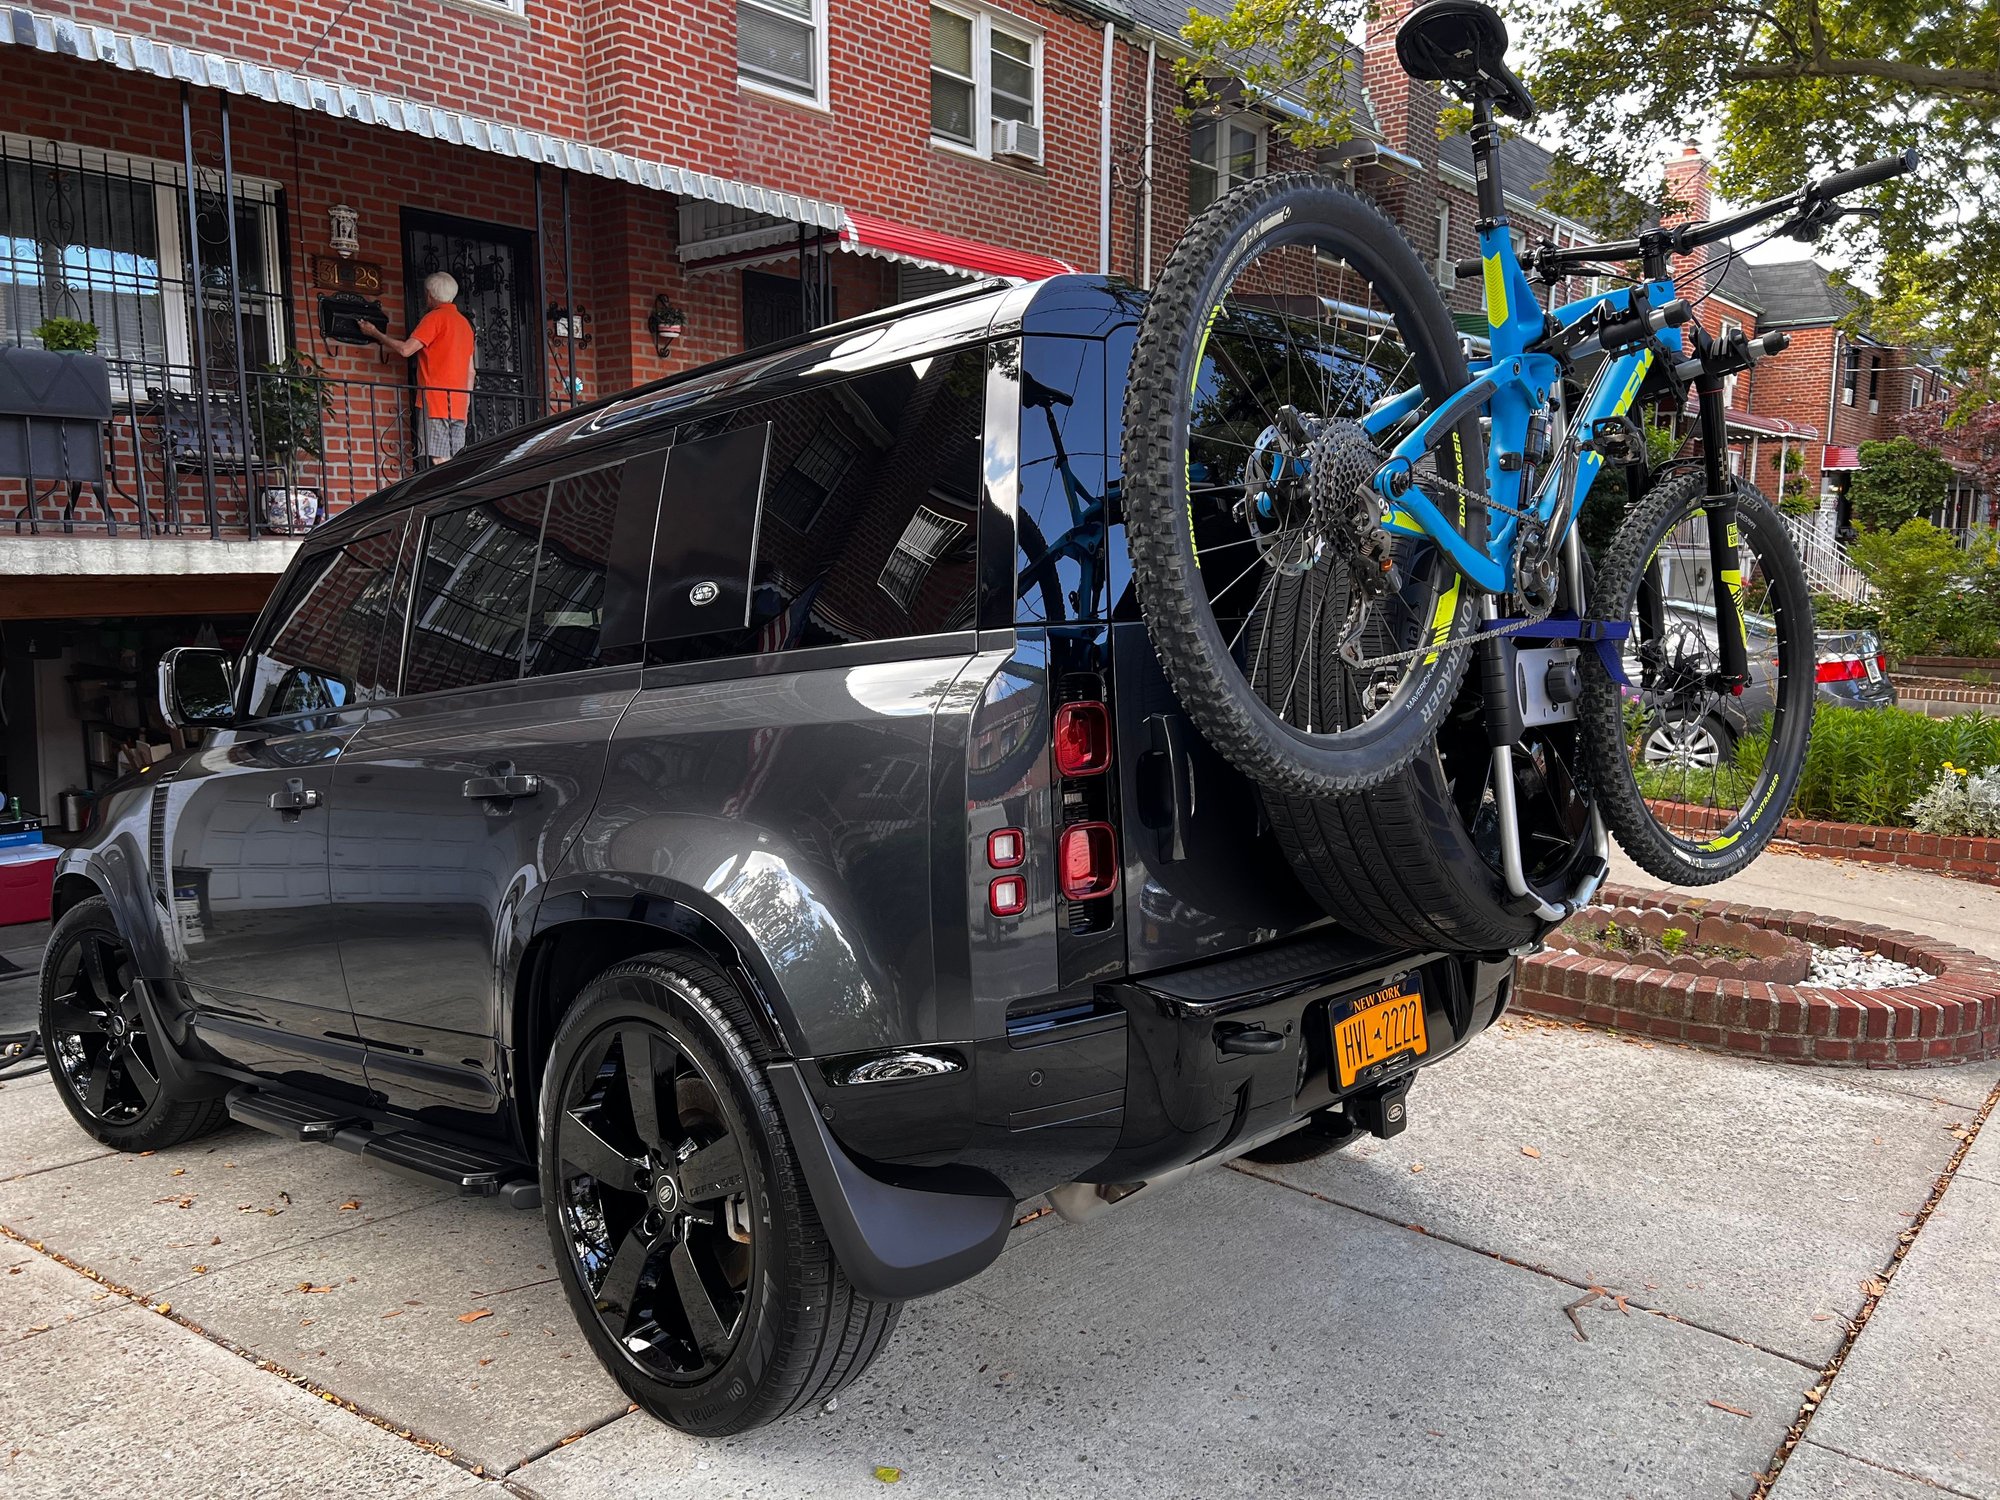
column 1385, row 1024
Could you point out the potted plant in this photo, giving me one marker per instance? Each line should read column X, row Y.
column 68, row 335
column 288, row 411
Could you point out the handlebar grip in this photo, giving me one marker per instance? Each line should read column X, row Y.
column 1856, row 178
column 1468, row 267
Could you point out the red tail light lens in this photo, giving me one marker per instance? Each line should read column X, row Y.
column 1007, row 896
column 1087, row 859
column 1006, row 848
column 1083, row 738
column 1842, row 669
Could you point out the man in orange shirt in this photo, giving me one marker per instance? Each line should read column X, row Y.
column 441, row 344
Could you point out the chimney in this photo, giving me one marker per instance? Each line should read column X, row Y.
column 1406, row 115
column 1687, row 190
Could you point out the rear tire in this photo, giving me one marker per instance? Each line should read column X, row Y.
column 692, row 1256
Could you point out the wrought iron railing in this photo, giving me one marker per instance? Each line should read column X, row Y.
column 277, row 456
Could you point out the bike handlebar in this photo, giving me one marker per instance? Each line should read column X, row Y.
column 1682, row 238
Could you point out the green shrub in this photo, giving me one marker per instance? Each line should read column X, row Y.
column 1870, row 765
column 1831, row 612
column 1935, row 595
column 1897, row 482
column 1673, row 939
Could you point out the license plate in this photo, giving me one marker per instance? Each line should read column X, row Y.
column 1383, row 1024
column 1874, row 668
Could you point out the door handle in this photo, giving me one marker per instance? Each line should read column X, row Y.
column 295, row 798
column 503, row 788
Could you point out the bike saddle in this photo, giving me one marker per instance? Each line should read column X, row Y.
column 1463, row 42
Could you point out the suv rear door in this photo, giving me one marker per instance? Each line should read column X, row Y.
column 460, row 796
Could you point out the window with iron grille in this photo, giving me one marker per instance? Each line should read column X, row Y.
column 105, row 239
column 926, row 539
column 781, row 45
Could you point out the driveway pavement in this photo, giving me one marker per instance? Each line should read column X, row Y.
column 1591, row 1267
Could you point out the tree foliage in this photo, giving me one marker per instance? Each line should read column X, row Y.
column 1898, row 481
column 1934, row 595
column 1790, row 89
column 1969, row 432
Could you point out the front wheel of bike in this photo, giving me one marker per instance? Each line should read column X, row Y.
column 1289, row 311
column 1691, row 778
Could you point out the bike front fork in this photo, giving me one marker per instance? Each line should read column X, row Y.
column 1724, row 542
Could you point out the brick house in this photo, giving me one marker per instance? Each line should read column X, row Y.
column 623, row 191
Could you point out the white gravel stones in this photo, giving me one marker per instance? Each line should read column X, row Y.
column 1848, row 968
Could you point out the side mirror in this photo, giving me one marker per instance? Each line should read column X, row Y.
column 197, row 688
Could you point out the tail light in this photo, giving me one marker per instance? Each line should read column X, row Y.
column 1842, row 669
column 1007, row 896
column 1083, row 738
column 1087, row 861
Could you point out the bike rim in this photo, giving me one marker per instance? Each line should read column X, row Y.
column 1298, row 344
column 1703, row 793
column 96, row 1032
column 653, row 1194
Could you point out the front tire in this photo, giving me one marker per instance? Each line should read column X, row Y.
column 684, row 1234
column 104, row 1059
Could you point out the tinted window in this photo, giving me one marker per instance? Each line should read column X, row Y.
column 1064, row 465
column 566, row 623
column 470, row 613
column 870, row 505
column 331, row 641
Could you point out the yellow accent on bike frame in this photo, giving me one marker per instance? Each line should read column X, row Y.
column 1632, row 386
column 1187, row 459
column 1496, row 290
column 1447, row 605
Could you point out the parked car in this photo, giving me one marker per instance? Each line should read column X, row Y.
column 739, row 820
column 1851, row 672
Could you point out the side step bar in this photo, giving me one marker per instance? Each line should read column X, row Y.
column 396, row 1147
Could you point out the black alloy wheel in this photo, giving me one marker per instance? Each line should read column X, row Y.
column 684, row 1233
column 94, row 1032
column 103, row 1055
column 654, row 1196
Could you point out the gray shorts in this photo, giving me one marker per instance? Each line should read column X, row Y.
column 442, row 438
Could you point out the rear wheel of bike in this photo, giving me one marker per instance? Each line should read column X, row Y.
column 1693, row 779
column 1289, row 309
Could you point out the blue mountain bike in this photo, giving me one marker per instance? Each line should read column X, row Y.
column 1353, row 528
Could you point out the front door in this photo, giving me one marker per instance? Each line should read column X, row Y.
column 495, row 268
column 460, row 797
column 245, row 826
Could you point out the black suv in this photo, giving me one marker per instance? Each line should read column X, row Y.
column 746, row 820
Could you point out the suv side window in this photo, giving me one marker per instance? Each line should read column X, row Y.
column 469, row 617
column 869, row 509
column 1065, row 467
column 332, row 641
column 566, row 618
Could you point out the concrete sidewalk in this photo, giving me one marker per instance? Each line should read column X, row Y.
column 1591, row 1267
column 1388, row 1322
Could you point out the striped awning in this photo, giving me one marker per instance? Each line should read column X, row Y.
column 61, row 36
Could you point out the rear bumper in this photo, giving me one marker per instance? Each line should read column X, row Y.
column 1145, row 1076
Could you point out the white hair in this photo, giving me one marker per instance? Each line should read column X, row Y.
column 442, row 286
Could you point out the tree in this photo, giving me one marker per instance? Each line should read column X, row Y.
column 1792, row 89
column 1968, row 433
column 1898, row 481
column 1934, row 595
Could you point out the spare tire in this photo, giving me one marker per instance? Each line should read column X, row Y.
column 1415, row 862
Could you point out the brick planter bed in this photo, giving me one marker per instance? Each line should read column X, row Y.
column 1943, row 690
column 1941, row 854
column 1953, row 1018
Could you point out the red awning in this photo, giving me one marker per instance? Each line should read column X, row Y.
column 867, row 235
column 1833, row 456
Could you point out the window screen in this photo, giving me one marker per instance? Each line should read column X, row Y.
column 470, row 614
column 333, row 641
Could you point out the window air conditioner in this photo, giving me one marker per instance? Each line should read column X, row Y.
column 1017, row 138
